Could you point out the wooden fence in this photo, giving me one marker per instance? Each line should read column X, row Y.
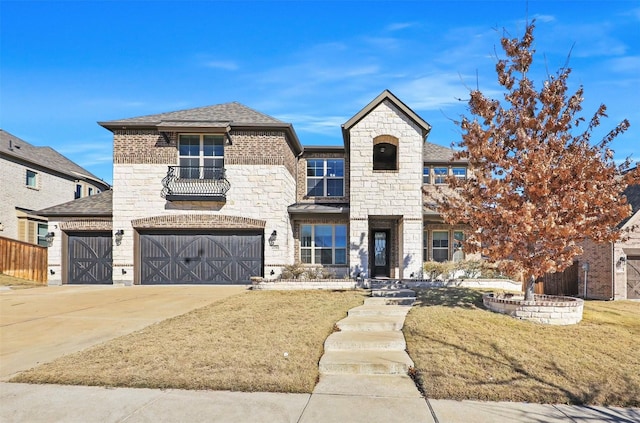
column 23, row 260
column 560, row 283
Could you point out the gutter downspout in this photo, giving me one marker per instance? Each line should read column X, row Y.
column 613, row 272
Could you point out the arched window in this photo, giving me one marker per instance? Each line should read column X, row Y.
column 385, row 153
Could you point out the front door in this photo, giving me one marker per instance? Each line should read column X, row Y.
column 380, row 259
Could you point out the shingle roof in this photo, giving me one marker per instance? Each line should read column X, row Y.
column 94, row 205
column 437, row 153
column 46, row 157
column 234, row 112
column 632, row 192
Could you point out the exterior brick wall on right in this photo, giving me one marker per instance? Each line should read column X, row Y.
column 599, row 276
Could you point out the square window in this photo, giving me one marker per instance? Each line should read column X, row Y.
column 459, row 172
column 325, row 177
column 323, row 244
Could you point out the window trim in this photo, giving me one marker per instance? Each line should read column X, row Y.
column 325, row 177
column 201, row 157
column 312, row 248
column 442, row 177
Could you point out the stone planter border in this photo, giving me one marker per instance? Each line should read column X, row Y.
column 296, row 284
column 547, row 309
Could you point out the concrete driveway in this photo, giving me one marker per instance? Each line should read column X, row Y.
column 39, row 325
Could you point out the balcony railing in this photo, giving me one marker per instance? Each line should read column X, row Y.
column 188, row 183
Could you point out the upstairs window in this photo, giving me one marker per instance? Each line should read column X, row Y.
column 43, row 229
column 90, row 191
column 459, row 172
column 426, row 175
column 200, row 156
column 78, row 192
column 32, row 179
column 325, row 177
column 440, row 175
column 385, row 156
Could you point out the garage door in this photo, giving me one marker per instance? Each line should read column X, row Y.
column 633, row 277
column 90, row 259
column 200, row 258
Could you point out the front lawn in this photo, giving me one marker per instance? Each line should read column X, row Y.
column 462, row 351
column 237, row 344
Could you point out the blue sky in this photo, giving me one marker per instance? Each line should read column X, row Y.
column 64, row 65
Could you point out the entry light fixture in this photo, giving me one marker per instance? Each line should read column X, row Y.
column 118, row 236
column 621, row 261
column 49, row 238
column 272, row 238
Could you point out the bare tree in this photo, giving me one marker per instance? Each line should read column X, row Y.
column 537, row 190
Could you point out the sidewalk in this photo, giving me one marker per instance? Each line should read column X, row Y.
column 55, row 403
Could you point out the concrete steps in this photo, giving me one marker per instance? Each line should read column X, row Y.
column 364, row 362
column 370, row 341
column 379, row 310
column 370, row 323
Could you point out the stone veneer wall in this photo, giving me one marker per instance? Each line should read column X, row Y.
column 262, row 187
column 546, row 309
column 386, row 193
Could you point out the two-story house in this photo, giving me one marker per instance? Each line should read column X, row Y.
column 222, row 193
column 33, row 178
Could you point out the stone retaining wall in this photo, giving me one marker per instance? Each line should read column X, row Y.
column 289, row 285
column 548, row 309
column 506, row 284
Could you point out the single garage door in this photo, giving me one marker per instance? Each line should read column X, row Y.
column 90, row 259
column 633, row 277
column 200, row 258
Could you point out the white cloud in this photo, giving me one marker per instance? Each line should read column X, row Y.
column 327, row 125
column 399, row 26
column 222, row 64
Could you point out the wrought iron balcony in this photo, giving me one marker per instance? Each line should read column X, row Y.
column 189, row 183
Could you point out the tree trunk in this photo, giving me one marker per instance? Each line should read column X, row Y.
column 529, row 291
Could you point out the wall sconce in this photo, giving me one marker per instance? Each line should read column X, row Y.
column 272, row 238
column 273, row 272
column 52, row 271
column 118, row 236
column 124, row 272
column 49, row 238
column 621, row 261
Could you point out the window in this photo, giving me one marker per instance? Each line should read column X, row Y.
column 31, row 179
column 460, row 172
column 78, row 192
column 385, row 157
column 43, row 229
column 440, row 245
column 323, row 244
column 426, row 175
column 90, row 192
column 458, row 253
column 440, row 175
column 325, row 177
column 201, row 156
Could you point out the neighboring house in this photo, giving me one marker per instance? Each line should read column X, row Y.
column 613, row 270
column 222, row 193
column 34, row 178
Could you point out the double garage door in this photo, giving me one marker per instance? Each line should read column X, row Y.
column 200, row 258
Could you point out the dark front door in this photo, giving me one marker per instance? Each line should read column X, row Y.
column 90, row 258
column 380, row 257
column 633, row 278
column 200, row 258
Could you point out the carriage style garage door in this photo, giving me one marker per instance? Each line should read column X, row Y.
column 200, row 258
column 633, row 277
column 90, row 258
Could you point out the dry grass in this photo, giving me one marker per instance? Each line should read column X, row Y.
column 462, row 351
column 236, row 344
column 18, row 283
